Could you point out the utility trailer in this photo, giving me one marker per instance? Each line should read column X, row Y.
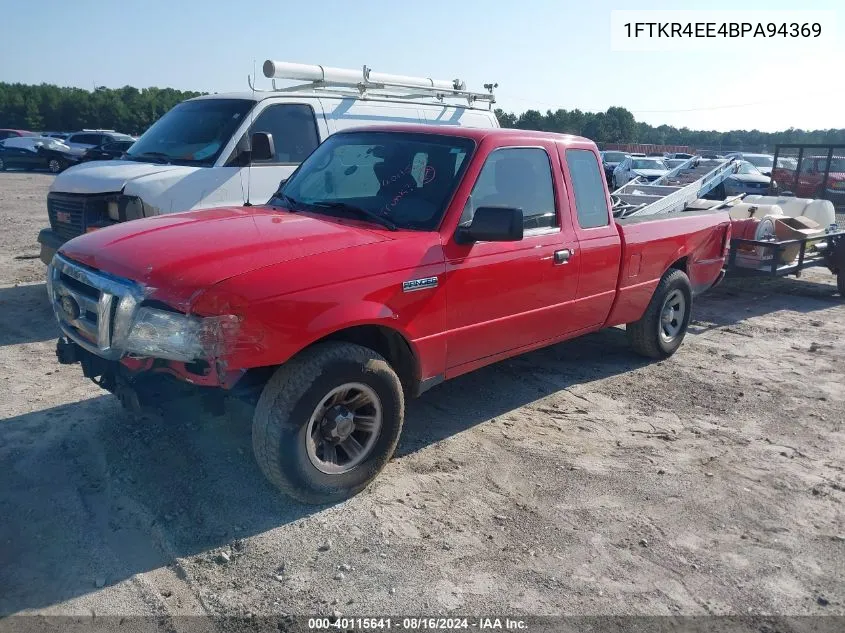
column 686, row 188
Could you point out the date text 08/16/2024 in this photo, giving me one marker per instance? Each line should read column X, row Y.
column 416, row 624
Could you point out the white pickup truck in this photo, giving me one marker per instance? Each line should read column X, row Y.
column 231, row 149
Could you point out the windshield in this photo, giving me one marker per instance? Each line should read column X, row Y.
column 745, row 167
column 614, row 157
column 407, row 179
column 760, row 161
column 193, row 132
column 647, row 163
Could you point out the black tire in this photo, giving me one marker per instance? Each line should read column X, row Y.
column 2, row 165
column 840, row 283
column 647, row 336
column 290, row 398
column 56, row 166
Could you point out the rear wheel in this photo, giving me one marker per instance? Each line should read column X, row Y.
column 327, row 422
column 661, row 329
column 55, row 165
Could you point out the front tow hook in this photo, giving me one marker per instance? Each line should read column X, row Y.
column 66, row 352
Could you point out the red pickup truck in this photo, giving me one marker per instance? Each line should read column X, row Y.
column 392, row 259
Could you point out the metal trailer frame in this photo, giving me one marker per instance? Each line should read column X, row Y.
column 830, row 254
column 830, row 149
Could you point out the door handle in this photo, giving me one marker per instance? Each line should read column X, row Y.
column 562, row 256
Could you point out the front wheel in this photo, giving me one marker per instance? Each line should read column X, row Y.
column 661, row 329
column 55, row 165
column 327, row 422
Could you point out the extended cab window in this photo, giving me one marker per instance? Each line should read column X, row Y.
column 588, row 187
column 405, row 179
column 294, row 131
column 516, row 177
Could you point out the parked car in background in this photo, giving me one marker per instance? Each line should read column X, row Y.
column 81, row 141
column 671, row 163
column 683, row 155
column 763, row 162
column 36, row 152
column 748, row 179
column 658, row 155
column 609, row 160
column 711, row 156
column 637, row 154
column 8, row 133
column 59, row 135
column 645, row 168
column 107, row 151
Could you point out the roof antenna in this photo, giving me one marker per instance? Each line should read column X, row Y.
column 249, row 139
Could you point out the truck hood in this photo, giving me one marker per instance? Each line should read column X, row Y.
column 176, row 255
column 110, row 175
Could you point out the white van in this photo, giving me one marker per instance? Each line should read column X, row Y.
column 230, row 149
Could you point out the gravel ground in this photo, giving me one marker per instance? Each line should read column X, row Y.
column 576, row 480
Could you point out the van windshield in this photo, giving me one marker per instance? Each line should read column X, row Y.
column 404, row 179
column 192, row 133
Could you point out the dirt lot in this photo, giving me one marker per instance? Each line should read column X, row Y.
column 574, row 480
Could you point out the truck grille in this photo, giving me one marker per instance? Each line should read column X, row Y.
column 92, row 308
column 73, row 214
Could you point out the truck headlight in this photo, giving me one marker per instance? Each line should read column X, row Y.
column 179, row 337
column 130, row 207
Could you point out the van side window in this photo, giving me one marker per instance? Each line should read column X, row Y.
column 588, row 187
column 518, row 177
column 294, row 131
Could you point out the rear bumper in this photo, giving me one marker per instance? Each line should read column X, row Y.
column 50, row 242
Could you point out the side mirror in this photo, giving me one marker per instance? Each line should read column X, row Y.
column 262, row 146
column 492, row 224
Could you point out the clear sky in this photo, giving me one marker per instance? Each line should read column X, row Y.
column 544, row 54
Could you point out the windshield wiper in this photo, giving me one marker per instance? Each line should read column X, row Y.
column 290, row 203
column 161, row 156
column 345, row 206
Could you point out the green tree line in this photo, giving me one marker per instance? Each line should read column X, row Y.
column 618, row 125
column 48, row 107
column 133, row 110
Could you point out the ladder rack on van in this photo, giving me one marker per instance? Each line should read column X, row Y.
column 366, row 83
column 681, row 186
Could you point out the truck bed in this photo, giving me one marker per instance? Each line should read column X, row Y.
column 695, row 241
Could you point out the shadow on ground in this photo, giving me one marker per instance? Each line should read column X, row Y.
column 25, row 315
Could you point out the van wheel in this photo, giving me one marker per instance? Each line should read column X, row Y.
column 661, row 330
column 327, row 422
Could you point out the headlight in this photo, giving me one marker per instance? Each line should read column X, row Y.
column 129, row 208
column 174, row 336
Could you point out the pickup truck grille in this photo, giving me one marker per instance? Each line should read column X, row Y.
column 92, row 308
column 72, row 214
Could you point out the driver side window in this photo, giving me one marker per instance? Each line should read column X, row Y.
column 516, row 177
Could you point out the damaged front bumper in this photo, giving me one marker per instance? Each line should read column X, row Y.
column 111, row 330
column 149, row 384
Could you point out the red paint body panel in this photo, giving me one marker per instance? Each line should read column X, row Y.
column 295, row 278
